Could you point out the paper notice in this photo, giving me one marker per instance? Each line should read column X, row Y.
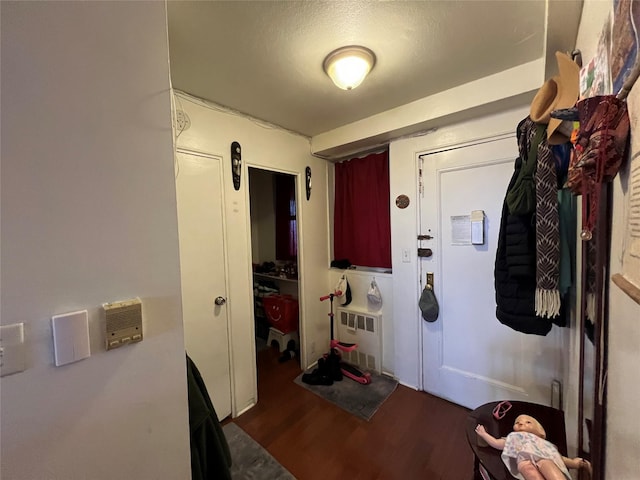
column 461, row 230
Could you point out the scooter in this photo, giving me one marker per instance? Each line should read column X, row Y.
column 336, row 347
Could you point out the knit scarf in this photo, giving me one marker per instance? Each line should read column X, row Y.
column 547, row 299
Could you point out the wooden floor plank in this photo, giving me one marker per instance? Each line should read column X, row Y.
column 413, row 435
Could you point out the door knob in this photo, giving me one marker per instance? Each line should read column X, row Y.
column 220, row 300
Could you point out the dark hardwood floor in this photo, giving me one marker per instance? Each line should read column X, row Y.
column 413, row 435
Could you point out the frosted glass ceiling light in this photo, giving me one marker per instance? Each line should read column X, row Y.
column 348, row 66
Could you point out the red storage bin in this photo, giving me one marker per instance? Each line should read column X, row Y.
column 282, row 312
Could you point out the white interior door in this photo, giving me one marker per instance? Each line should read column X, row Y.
column 469, row 357
column 202, row 263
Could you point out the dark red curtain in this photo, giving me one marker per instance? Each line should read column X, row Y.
column 361, row 224
column 286, row 228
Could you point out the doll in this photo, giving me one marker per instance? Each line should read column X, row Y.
column 528, row 455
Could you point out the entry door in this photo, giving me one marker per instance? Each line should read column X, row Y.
column 202, row 263
column 469, row 357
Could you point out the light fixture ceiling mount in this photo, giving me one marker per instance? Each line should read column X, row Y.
column 348, row 66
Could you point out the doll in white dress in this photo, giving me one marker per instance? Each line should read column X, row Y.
column 528, row 455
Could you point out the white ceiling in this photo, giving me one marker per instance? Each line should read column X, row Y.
column 264, row 58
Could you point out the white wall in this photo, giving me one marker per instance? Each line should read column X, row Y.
column 212, row 131
column 89, row 216
column 623, row 428
column 263, row 216
column 480, row 97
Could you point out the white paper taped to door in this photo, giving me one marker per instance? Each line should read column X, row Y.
column 477, row 227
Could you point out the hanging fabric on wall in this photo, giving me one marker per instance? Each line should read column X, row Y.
column 515, row 266
column 343, row 291
column 559, row 92
column 362, row 218
column 373, row 294
column 521, row 197
column 601, row 147
column 547, row 235
column 535, row 190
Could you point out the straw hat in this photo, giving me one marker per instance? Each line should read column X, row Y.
column 558, row 92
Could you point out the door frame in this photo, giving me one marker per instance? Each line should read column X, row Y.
column 420, row 157
column 299, row 198
column 225, row 261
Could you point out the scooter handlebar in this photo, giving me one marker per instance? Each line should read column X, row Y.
column 331, row 295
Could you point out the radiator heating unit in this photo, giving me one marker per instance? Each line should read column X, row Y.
column 365, row 329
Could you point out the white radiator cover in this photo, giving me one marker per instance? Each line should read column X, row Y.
column 365, row 329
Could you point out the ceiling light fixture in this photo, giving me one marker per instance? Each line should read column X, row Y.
column 348, row 66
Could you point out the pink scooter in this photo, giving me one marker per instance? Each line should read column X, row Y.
column 347, row 369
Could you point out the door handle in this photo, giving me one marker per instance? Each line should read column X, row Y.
column 430, row 280
column 220, row 300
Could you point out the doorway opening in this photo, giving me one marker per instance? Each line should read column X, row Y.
column 274, row 250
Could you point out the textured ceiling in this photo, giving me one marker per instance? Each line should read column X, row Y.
column 264, row 58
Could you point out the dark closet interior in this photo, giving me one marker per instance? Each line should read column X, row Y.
column 274, row 246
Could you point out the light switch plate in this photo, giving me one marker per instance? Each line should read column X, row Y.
column 12, row 349
column 71, row 337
